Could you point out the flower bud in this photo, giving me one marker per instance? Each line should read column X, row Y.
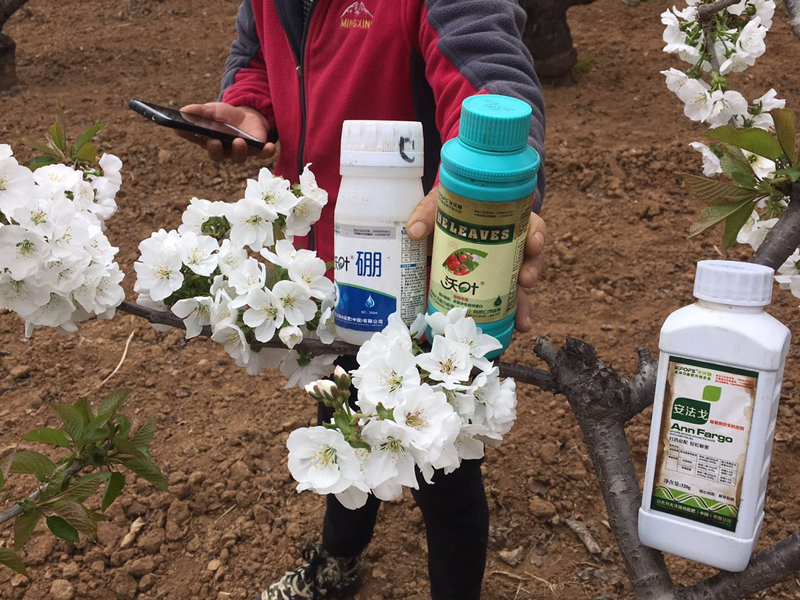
column 327, row 389
column 342, row 378
column 313, row 391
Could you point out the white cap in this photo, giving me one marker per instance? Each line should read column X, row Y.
column 732, row 282
column 382, row 144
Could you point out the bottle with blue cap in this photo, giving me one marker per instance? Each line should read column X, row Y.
column 487, row 181
column 716, row 405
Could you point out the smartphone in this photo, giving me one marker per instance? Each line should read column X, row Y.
column 207, row 128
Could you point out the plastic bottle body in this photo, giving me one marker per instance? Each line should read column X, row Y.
column 375, row 261
column 698, row 463
column 478, row 250
column 486, row 184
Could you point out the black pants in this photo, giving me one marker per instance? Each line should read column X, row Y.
column 456, row 518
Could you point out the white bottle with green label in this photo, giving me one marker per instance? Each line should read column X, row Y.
column 378, row 269
column 716, row 402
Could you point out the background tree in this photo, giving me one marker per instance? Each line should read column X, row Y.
column 8, row 67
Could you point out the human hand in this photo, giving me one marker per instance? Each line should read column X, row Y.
column 245, row 118
column 421, row 223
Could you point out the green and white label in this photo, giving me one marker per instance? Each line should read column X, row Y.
column 478, row 249
column 702, row 448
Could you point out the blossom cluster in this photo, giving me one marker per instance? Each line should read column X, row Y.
column 56, row 265
column 415, row 411
column 207, row 274
column 738, row 40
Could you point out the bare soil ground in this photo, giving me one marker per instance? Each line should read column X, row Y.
column 619, row 264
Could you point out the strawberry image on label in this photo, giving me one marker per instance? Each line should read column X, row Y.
column 464, row 261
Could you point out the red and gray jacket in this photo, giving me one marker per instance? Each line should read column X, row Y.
column 410, row 60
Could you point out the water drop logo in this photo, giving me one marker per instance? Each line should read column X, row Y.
column 370, row 302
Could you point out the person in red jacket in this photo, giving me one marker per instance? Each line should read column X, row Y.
column 297, row 70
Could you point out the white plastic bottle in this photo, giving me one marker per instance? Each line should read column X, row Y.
column 716, row 401
column 378, row 269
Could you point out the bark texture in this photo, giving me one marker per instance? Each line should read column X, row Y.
column 8, row 61
column 548, row 36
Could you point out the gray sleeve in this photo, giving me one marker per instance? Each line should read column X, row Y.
column 483, row 39
column 245, row 48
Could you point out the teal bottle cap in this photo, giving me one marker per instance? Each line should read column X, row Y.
column 495, row 123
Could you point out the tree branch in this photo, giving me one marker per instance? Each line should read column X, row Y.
column 784, row 238
column 706, row 14
column 793, row 8
column 773, row 565
column 521, row 373
column 8, row 8
column 602, row 402
column 16, row 510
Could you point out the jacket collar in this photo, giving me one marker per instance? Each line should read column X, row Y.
column 290, row 13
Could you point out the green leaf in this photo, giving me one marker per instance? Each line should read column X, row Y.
column 63, row 530
column 10, row 559
column 72, row 418
column 734, row 223
column 95, row 435
column 114, row 400
column 87, row 153
column 99, row 421
column 784, row 128
column 712, row 192
column 757, row 141
column 5, row 468
column 114, row 486
column 76, row 516
column 126, row 447
column 39, row 161
column 147, row 471
column 384, row 413
column 792, row 173
column 144, row 436
column 24, row 525
column 84, row 488
column 40, row 146
column 58, row 136
column 88, row 135
column 59, row 124
column 714, row 215
column 342, row 423
column 56, row 437
column 735, row 164
column 82, row 404
column 33, row 463
column 124, row 426
column 53, row 488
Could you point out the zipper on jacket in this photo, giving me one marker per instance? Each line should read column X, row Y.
column 300, row 74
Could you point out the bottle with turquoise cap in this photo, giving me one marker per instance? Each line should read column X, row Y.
column 486, row 184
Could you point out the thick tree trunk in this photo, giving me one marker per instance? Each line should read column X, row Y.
column 8, row 62
column 548, row 37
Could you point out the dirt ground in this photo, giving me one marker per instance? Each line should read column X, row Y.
column 619, row 263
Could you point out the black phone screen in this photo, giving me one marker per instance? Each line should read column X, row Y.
column 188, row 119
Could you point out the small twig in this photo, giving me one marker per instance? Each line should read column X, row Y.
column 549, row 585
column 222, row 516
column 512, row 575
column 584, row 535
column 16, row 510
column 121, row 360
column 706, row 14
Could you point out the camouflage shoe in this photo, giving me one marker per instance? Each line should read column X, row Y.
column 322, row 576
